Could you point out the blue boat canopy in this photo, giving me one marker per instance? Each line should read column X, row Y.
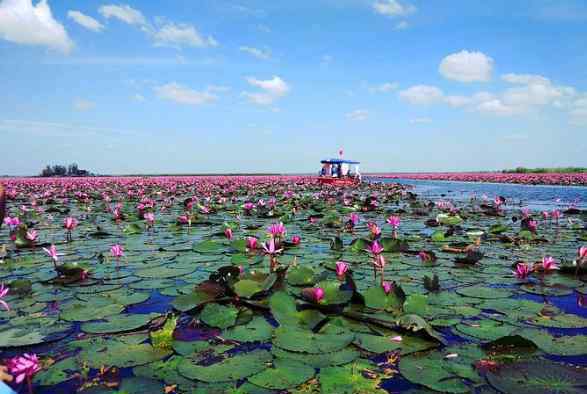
column 339, row 161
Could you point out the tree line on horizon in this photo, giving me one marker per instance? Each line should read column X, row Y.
column 64, row 171
column 545, row 170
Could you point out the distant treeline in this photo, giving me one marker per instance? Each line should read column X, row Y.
column 540, row 170
column 60, row 170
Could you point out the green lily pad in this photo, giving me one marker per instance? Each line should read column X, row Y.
column 284, row 375
column 238, row 367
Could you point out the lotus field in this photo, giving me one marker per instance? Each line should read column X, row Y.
column 280, row 285
column 567, row 179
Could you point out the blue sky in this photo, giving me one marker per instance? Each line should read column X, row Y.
column 274, row 86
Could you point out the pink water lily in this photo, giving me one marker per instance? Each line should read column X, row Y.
column 3, row 292
column 394, row 221
column 251, row 243
column 525, row 213
column 277, row 230
column 374, row 229
column 296, row 240
column 150, row 218
column 555, row 214
column 228, row 233
column 12, row 222
column 31, row 235
column 317, row 294
column 354, row 218
column 582, row 252
column 52, row 252
column 532, row 225
column 549, row 264
column 341, row 269
column 117, row 251
column 545, row 215
column 387, row 287
column 375, row 248
column 425, row 256
column 70, row 223
column 24, row 367
column 270, row 248
column 248, row 206
column 522, row 271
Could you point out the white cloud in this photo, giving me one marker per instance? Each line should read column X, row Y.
column 466, row 66
column 86, row 21
column 421, row 94
column 403, row 25
column 256, row 52
column 385, row 87
column 23, row 23
column 524, row 78
column 358, row 115
column 457, row 101
column 393, row 8
column 176, row 35
column 420, row 120
column 184, row 95
column 124, row 13
column 83, row 105
column 272, row 89
column 497, row 107
column 138, row 98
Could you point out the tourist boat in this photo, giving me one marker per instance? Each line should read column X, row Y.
column 339, row 172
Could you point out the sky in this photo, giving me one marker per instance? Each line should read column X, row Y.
column 216, row 86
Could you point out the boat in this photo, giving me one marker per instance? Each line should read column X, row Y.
column 339, row 172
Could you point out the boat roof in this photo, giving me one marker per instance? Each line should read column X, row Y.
column 339, row 161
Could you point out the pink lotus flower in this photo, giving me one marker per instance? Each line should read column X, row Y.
column 555, row 214
column 52, row 252
column 277, row 230
column 12, row 222
column 532, row 225
column 394, row 221
column 296, row 240
column 354, row 218
column 545, row 215
column 387, row 287
column 317, row 294
column 341, row 269
column 313, row 219
column 549, row 264
column 424, row 256
column 183, row 219
column 3, row 293
column 269, row 247
column 117, row 251
column 375, row 248
column 70, row 223
column 251, row 243
column 149, row 217
column 374, row 229
column 228, row 233
column 582, row 252
column 522, row 271
column 497, row 201
column 525, row 213
column 32, row 235
column 249, row 206
column 23, row 367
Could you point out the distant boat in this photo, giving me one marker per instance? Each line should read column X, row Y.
column 339, row 172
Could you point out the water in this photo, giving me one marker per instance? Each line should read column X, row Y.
column 535, row 197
